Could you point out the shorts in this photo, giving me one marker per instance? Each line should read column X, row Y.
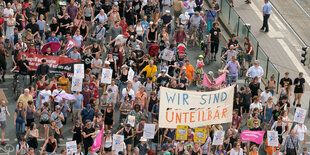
column 246, row 109
column 248, row 58
column 3, row 65
column 288, row 105
column 65, row 121
column 109, row 149
column 196, row 26
column 88, row 19
column 44, row 122
column 76, row 113
column 298, row 90
column 3, row 124
column 29, row 121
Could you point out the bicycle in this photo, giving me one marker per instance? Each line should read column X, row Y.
column 224, row 59
column 199, row 33
column 247, row 81
column 241, row 59
column 204, row 46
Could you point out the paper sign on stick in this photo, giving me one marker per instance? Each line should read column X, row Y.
column 181, row 132
column 149, row 131
column 106, row 76
column 71, row 147
column 79, row 71
column 218, row 137
column 272, row 138
column 200, row 135
column 76, row 84
column 131, row 120
column 300, row 115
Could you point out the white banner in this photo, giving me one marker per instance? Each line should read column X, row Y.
column 195, row 109
column 76, row 84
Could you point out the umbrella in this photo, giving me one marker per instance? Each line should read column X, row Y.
column 55, row 46
column 66, row 96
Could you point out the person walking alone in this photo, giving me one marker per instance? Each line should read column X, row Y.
column 266, row 15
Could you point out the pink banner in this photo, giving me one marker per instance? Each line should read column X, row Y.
column 218, row 81
column 98, row 141
column 253, row 136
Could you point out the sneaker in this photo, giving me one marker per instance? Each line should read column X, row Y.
column 3, row 143
column 261, row 29
column 294, row 103
column 266, row 31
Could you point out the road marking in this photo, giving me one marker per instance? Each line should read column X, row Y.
column 293, row 58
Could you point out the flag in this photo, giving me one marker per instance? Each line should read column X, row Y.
column 98, row 141
column 218, row 81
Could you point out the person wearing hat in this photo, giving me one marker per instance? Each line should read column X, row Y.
column 183, row 19
column 143, row 146
column 163, row 79
column 299, row 89
column 167, row 19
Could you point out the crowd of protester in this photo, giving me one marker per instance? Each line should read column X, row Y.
column 117, row 35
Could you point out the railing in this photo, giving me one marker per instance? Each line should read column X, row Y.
column 242, row 30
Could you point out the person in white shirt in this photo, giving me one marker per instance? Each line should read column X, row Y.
column 236, row 150
column 55, row 95
column 301, row 132
column 166, row 5
column 102, row 17
column 117, row 150
column 265, row 95
column 45, row 96
column 136, row 84
column 256, row 104
column 128, row 91
column 6, row 12
column 183, row 19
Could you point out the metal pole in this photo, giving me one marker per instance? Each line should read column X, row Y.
column 278, row 82
column 229, row 14
column 267, row 67
column 221, row 5
column 238, row 26
column 309, row 109
column 257, row 50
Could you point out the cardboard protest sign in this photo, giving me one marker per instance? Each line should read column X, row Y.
column 218, row 137
column 71, row 147
column 78, row 71
column 106, row 76
column 252, row 136
column 200, row 135
column 131, row 74
column 131, row 120
column 118, row 143
column 272, row 138
column 149, row 131
column 167, row 54
column 181, row 132
column 300, row 115
column 195, row 109
column 76, row 84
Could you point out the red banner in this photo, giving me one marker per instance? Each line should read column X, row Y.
column 57, row 64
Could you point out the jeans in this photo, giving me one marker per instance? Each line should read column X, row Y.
column 232, row 78
column 189, row 23
column 23, row 82
column 209, row 26
column 5, row 25
column 20, row 129
column 154, row 146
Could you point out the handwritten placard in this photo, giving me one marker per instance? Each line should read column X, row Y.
column 149, row 131
column 118, row 143
column 200, row 135
column 76, row 84
column 71, row 147
column 300, row 115
column 181, row 133
column 79, row 71
column 106, row 76
column 218, row 137
column 272, row 138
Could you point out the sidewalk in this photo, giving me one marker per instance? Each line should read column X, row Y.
column 280, row 44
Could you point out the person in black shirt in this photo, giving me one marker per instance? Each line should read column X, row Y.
column 233, row 41
column 167, row 20
column 215, row 38
column 3, row 55
column 43, row 69
column 276, row 113
column 163, row 79
column 130, row 14
column 15, row 54
column 284, row 102
column 33, row 26
column 88, row 135
column 23, row 66
column 41, row 10
column 148, row 10
column 65, row 24
column 299, row 83
column 107, row 6
column 286, row 80
column 87, row 59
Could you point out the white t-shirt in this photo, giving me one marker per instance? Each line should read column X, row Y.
column 234, row 152
column 258, row 105
column 96, row 63
column 190, row 7
column 7, row 12
column 120, row 40
column 131, row 93
column 265, row 97
column 56, row 92
column 183, row 18
column 300, row 131
column 3, row 113
column 45, row 95
column 135, row 86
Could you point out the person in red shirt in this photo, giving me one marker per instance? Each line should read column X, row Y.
column 124, row 25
